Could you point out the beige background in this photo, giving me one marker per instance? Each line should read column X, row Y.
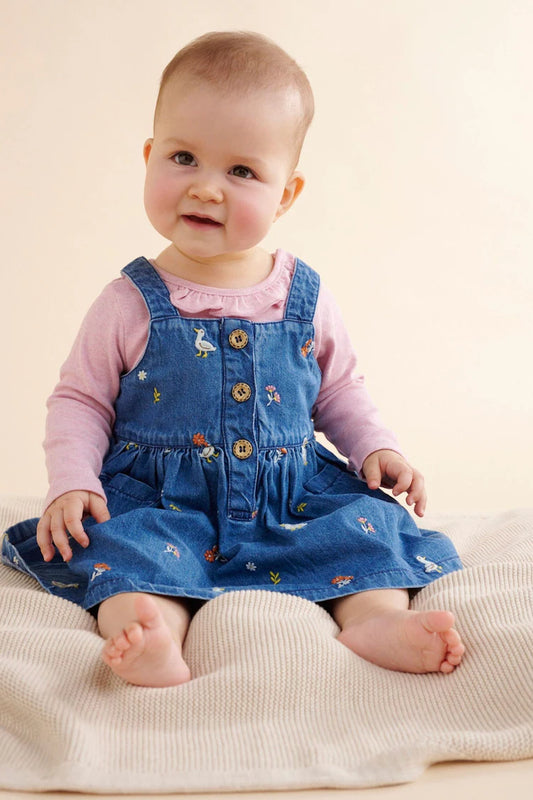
column 417, row 212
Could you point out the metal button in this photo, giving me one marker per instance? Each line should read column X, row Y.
column 241, row 392
column 242, row 449
column 238, row 339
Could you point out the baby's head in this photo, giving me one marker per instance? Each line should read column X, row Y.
column 242, row 64
column 230, row 120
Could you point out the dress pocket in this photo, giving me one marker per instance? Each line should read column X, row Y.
column 324, row 479
column 125, row 493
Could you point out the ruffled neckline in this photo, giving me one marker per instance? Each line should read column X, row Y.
column 265, row 299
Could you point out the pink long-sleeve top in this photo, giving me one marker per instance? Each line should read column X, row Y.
column 111, row 342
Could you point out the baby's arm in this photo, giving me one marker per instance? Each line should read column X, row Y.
column 346, row 414
column 81, row 415
column 63, row 517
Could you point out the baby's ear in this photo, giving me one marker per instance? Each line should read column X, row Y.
column 147, row 149
column 293, row 188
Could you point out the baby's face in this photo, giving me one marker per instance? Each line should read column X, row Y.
column 220, row 168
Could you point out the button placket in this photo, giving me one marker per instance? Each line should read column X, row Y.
column 239, row 419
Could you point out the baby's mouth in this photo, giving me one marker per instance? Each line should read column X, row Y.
column 197, row 219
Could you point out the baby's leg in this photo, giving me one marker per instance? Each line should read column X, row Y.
column 379, row 627
column 144, row 635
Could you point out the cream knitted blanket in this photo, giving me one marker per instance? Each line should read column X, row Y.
column 275, row 702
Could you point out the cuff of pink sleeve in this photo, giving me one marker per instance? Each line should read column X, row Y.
column 71, row 485
column 364, row 448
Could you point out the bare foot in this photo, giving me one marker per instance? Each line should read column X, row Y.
column 146, row 653
column 408, row 641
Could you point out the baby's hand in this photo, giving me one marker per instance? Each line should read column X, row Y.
column 388, row 469
column 64, row 516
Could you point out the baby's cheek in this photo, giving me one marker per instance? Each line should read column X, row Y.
column 156, row 194
column 253, row 218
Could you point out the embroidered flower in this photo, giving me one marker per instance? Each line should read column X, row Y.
column 429, row 566
column 308, row 348
column 142, row 375
column 99, row 569
column 366, row 525
column 60, row 585
column 279, row 453
column 292, row 526
column 214, row 555
column 171, row 548
column 251, row 566
column 342, row 580
column 273, row 395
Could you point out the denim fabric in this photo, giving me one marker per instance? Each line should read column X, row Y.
column 215, row 481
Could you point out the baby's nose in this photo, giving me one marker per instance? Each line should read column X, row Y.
column 206, row 189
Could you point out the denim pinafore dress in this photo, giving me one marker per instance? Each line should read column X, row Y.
column 215, row 481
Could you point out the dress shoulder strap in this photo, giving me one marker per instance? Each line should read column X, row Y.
column 156, row 296
column 303, row 293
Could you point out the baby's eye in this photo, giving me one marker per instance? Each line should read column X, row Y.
column 185, row 159
column 241, row 171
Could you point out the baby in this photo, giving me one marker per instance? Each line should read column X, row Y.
column 180, row 439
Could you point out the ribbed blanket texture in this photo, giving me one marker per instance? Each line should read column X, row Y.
column 275, row 701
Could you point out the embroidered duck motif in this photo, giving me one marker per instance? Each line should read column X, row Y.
column 208, row 450
column 202, row 345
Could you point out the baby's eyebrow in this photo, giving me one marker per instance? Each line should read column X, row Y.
column 172, row 142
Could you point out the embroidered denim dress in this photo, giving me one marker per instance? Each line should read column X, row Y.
column 215, row 481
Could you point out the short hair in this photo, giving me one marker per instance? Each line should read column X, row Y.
column 242, row 61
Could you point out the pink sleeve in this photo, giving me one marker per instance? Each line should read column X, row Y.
column 81, row 408
column 344, row 411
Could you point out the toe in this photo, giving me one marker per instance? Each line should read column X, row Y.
column 438, row 621
column 134, row 634
column 446, row 667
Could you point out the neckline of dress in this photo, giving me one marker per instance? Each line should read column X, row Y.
column 201, row 288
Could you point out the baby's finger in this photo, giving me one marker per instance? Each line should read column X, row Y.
column 44, row 538
column 403, row 479
column 372, row 473
column 60, row 534
column 417, row 494
column 98, row 508
column 72, row 515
